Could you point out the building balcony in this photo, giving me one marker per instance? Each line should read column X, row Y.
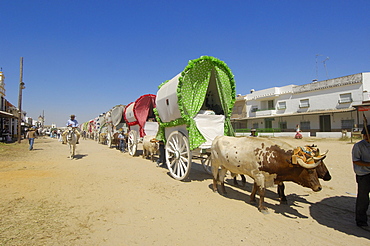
column 239, row 116
column 265, row 112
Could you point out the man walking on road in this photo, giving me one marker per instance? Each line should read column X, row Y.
column 31, row 135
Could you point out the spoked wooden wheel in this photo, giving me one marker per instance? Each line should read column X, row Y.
column 178, row 155
column 132, row 142
column 206, row 163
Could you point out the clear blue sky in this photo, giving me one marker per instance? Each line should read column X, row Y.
column 85, row 57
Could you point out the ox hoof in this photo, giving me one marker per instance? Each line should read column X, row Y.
column 283, row 202
column 263, row 210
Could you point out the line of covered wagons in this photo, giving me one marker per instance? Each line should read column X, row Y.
column 186, row 115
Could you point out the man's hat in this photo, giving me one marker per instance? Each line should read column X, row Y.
column 72, row 115
column 364, row 130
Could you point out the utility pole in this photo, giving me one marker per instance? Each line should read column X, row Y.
column 21, row 87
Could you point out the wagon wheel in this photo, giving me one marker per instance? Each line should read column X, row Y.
column 178, row 155
column 207, row 164
column 132, row 142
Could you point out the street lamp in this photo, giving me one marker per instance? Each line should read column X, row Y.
column 21, row 87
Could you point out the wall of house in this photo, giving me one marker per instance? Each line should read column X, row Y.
column 324, row 98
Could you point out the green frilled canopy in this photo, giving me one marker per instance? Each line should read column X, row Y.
column 205, row 83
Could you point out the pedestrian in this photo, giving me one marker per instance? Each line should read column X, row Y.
column 298, row 134
column 361, row 167
column 122, row 141
column 31, row 135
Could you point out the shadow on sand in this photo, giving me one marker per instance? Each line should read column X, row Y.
column 78, row 157
column 334, row 212
column 288, row 210
column 338, row 213
column 36, row 149
column 196, row 173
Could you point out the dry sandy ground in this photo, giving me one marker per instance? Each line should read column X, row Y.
column 105, row 197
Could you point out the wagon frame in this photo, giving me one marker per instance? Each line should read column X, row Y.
column 140, row 119
column 192, row 109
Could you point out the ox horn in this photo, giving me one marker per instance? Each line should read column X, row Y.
column 321, row 157
column 308, row 166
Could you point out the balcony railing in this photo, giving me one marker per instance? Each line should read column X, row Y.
column 264, row 112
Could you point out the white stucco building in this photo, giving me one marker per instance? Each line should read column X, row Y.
column 324, row 106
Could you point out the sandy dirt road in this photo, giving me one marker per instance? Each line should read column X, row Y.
column 105, row 197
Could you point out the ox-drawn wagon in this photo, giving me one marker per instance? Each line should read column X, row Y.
column 140, row 119
column 192, row 109
column 114, row 121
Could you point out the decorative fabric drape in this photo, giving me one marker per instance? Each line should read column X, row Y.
column 191, row 93
column 141, row 109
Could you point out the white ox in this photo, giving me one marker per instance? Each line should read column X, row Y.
column 264, row 161
column 150, row 147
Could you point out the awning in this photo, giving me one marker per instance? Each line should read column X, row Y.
column 363, row 107
column 4, row 114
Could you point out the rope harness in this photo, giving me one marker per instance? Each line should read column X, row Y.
column 306, row 153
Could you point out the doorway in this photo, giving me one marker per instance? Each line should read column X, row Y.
column 325, row 125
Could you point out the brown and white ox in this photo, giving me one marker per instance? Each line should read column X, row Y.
column 321, row 170
column 150, row 146
column 264, row 161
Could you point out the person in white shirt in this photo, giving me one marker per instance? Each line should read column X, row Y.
column 71, row 123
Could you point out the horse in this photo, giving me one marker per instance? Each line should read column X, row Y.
column 72, row 140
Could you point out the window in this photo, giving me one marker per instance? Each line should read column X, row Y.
column 347, row 124
column 254, row 108
column 305, row 125
column 270, row 104
column 282, row 105
column 268, row 122
column 283, row 125
column 345, row 98
column 304, row 103
column 255, row 125
column 239, row 110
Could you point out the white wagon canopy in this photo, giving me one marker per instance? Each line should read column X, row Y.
column 201, row 97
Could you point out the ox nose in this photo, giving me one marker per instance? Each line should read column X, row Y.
column 327, row 177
